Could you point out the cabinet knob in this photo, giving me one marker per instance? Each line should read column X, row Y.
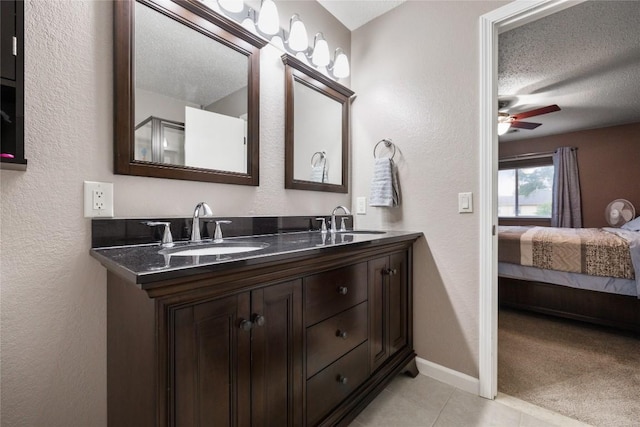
column 342, row 379
column 342, row 290
column 246, row 325
column 341, row 334
column 390, row 271
column 258, row 320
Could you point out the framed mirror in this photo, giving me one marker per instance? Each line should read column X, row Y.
column 316, row 129
column 186, row 93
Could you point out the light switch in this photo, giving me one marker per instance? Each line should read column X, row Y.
column 465, row 202
column 361, row 205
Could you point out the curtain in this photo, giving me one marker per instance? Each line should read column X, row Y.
column 567, row 207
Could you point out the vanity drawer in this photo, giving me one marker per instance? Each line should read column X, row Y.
column 330, row 386
column 331, row 292
column 330, row 339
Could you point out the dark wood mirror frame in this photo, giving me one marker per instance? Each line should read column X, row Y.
column 197, row 16
column 296, row 71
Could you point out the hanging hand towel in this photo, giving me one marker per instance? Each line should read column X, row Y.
column 317, row 173
column 385, row 190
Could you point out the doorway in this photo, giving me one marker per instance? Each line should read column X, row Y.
column 503, row 19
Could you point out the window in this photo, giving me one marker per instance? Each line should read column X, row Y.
column 525, row 191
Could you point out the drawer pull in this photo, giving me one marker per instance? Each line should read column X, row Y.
column 341, row 334
column 258, row 320
column 342, row 290
column 390, row 271
column 246, row 325
column 342, row 379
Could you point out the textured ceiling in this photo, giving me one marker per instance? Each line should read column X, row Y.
column 176, row 61
column 586, row 59
column 356, row 13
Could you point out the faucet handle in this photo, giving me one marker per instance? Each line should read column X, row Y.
column 323, row 227
column 167, row 239
column 217, row 235
column 343, row 223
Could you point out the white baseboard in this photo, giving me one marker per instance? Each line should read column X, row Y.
column 448, row 376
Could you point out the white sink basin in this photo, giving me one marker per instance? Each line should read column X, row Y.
column 221, row 249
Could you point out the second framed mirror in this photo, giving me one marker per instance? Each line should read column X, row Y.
column 316, row 129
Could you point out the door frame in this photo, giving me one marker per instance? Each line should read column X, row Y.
column 505, row 18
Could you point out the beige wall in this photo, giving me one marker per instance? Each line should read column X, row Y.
column 416, row 76
column 53, row 294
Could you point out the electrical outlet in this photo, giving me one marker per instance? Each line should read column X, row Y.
column 98, row 199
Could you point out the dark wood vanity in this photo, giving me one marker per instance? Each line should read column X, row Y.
column 305, row 339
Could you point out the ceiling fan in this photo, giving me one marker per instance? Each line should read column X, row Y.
column 507, row 121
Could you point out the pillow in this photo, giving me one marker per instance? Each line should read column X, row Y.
column 633, row 225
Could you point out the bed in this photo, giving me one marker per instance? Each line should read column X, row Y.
column 588, row 274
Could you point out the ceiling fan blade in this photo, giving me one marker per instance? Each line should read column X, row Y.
column 536, row 112
column 524, row 125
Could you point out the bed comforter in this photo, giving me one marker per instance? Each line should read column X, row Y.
column 593, row 251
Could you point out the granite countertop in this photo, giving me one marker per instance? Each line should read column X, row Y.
column 147, row 263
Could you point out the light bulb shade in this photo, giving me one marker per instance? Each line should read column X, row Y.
column 249, row 22
column 302, row 58
column 503, row 127
column 233, row 6
column 298, row 38
column 341, row 65
column 268, row 20
column 320, row 56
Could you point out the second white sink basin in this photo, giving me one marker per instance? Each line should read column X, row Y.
column 221, row 249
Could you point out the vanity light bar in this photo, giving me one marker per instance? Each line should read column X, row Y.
column 295, row 42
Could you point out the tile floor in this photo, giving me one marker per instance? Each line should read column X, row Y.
column 423, row 401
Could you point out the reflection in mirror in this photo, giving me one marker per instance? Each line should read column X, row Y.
column 210, row 117
column 317, row 135
column 191, row 109
column 317, row 130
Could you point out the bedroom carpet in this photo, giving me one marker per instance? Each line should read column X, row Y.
column 585, row 372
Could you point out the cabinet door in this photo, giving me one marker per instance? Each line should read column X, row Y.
column 398, row 299
column 388, row 299
column 211, row 364
column 277, row 377
column 7, row 33
column 378, row 299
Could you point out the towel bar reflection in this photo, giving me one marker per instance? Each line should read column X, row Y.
column 323, row 156
column 387, row 143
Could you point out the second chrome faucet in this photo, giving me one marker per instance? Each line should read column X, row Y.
column 334, row 227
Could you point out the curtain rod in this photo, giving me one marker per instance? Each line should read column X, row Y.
column 527, row 156
column 530, row 155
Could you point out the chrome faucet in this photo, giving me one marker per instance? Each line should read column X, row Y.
column 334, row 228
column 195, row 226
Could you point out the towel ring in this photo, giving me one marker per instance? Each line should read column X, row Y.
column 387, row 143
column 322, row 154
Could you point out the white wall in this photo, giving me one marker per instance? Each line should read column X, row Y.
column 415, row 71
column 53, row 294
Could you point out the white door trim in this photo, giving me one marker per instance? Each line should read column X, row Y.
column 507, row 17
